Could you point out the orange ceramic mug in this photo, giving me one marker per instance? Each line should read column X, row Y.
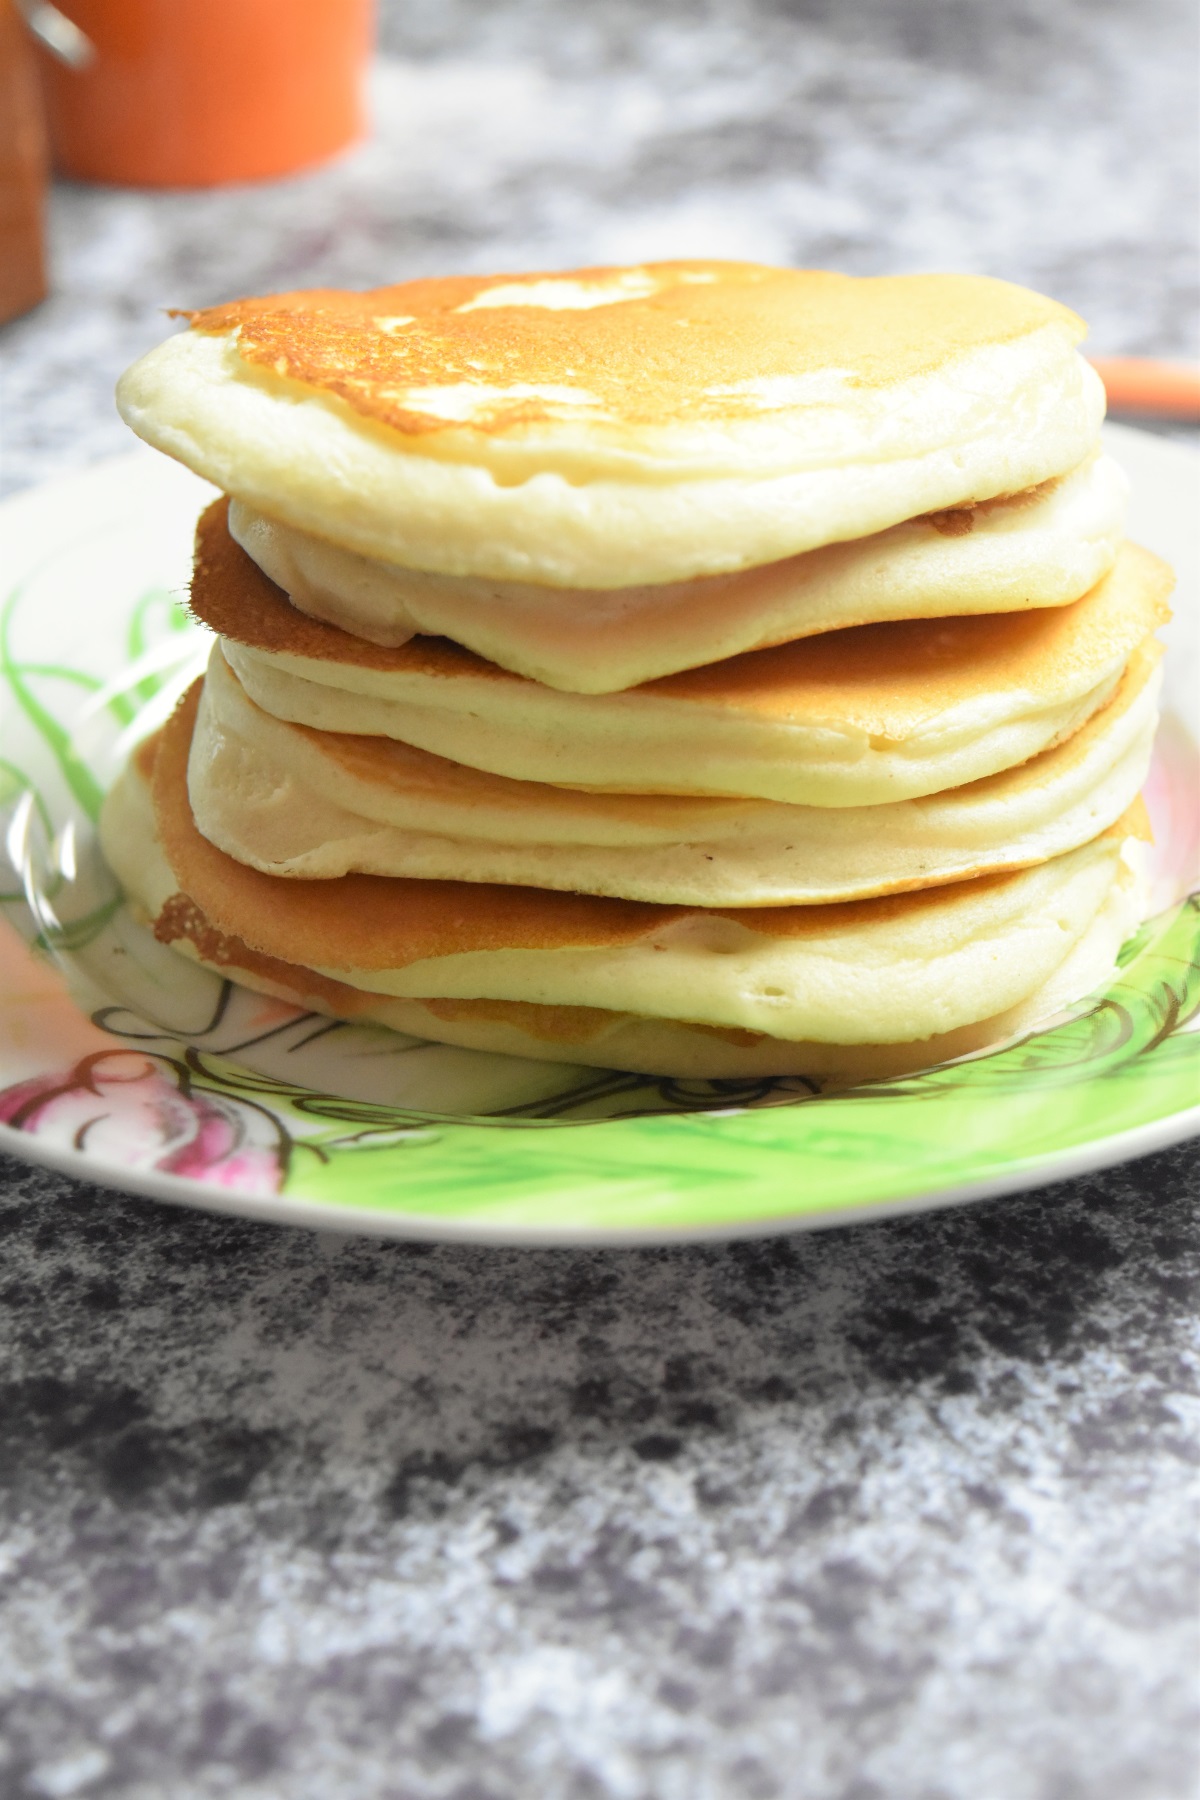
column 186, row 93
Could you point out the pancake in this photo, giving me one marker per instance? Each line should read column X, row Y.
column 299, row 803
column 875, row 972
column 593, row 1038
column 861, row 717
column 608, row 428
column 1045, row 547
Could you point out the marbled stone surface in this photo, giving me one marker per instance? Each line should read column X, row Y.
column 896, row 1513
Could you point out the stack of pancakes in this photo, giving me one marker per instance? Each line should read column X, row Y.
column 697, row 668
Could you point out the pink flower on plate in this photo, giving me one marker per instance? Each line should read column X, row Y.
column 141, row 1112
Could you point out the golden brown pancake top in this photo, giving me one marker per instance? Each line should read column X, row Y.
column 365, row 922
column 882, row 678
column 181, row 920
column 234, row 598
column 887, row 677
column 682, row 342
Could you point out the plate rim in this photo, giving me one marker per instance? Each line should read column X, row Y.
column 320, row 1215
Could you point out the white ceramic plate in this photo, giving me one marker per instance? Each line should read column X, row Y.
column 121, row 1063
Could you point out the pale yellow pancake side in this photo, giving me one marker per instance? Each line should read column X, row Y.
column 873, row 971
column 573, row 1033
column 860, row 717
column 1045, row 547
column 299, row 803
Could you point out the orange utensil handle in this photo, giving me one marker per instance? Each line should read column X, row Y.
column 1136, row 384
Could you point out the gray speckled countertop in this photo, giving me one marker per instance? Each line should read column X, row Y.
column 897, row 1513
column 892, row 1513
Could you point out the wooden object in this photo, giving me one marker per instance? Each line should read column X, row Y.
column 22, row 170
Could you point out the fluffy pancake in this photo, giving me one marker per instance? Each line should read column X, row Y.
column 299, row 803
column 875, row 972
column 849, row 718
column 586, row 1035
column 1044, row 547
column 595, row 1038
column 609, row 428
